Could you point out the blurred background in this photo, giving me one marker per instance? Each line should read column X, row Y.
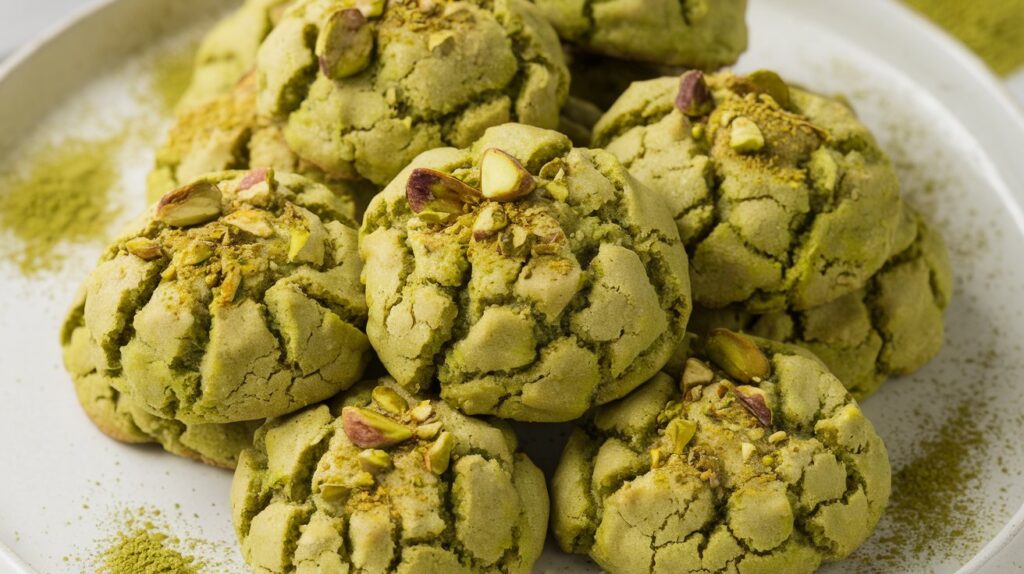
column 993, row 29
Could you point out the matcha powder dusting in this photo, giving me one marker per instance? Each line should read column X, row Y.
column 64, row 196
column 935, row 503
column 145, row 552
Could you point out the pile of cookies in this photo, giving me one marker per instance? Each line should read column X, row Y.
column 383, row 228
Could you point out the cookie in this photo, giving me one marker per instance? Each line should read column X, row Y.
column 382, row 481
column 360, row 91
column 893, row 326
column 704, row 34
column 530, row 278
column 783, row 198
column 757, row 460
column 235, row 298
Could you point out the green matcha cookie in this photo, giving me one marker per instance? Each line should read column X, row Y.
column 228, row 51
column 757, row 461
column 225, row 133
column 383, row 482
column 892, row 326
column 531, row 278
column 783, row 198
column 363, row 87
column 122, row 419
column 697, row 33
column 237, row 297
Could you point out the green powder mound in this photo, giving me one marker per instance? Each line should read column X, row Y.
column 989, row 27
column 63, row 197
column 146, row 551
column 171, row 75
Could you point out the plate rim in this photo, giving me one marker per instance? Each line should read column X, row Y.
column 979, row 76
column 894, row 12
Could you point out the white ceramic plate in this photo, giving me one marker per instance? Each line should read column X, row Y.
column 955, row 137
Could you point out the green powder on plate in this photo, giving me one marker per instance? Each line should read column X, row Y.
column 145, row 551
column 65, row 195
column 934, row 506
column 994, row 29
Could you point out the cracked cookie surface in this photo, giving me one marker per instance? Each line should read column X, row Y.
column 783, row 198
column 893, row 326
column 704, row 34
column 225, row 133
column 759, row 462
column 228, row 51
column 237, row 297
column 534, row 308
column 360, row 91
column 380, row 481
column 122, row 419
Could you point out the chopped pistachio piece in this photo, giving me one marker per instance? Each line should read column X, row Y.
column 422, row 412
column 553, row 170
column 189, row 205
column 737, row 355
column 777, row 437
column 439, row 454
column 747, row 450
column 694, row 98
column 368, row 429
column 429, row 430
column 144, row 248
column 771, row 84
column 197, row 252
column 298, row 238
column 680, row 432
column 657, row 458
column 756, row 406
column 696, row 374
column 389, row 400
column 558, row 190
column 503, row 178
column 374, row 460
column 438, row 197
column 345, row 44
column 250, row 221
column 490, row 220
column 230, row 284
column 257, row 187
column 745, row 136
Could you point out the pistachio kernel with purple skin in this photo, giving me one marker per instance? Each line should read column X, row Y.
column 694, row 98
column 189, row 205
column 345, row 44
column 438, row 197
column 756, row 406
column 255, row 177
column 369, row 429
